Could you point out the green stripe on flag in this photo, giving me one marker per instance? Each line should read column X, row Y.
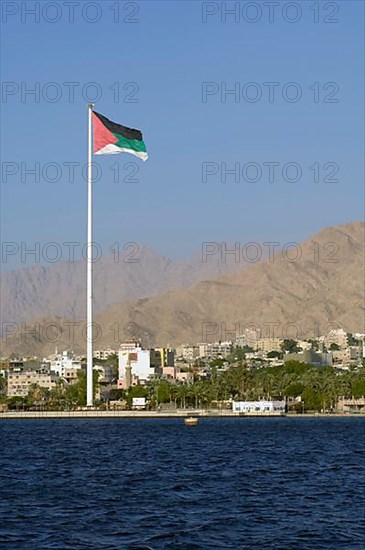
column 134, row 144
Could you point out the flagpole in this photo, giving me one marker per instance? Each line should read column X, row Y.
column 89, row 261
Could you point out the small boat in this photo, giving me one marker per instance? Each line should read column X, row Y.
column 191, row 421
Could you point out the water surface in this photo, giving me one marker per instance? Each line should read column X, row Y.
column 274, row 483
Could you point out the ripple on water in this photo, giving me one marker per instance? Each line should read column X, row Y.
column 150, row 484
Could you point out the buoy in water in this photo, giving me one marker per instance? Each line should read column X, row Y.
column 191, row 421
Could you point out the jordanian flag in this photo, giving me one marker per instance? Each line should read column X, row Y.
column 111, row 138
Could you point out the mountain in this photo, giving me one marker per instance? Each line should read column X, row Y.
column 59, row 289
column 322, row 289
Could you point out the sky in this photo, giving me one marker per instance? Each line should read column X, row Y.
column 165, row 68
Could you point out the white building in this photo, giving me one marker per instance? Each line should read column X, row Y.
column 259, row 407
column 139, row 359
column 66, row 360
column 248, row 338
column 103, row 354
column 189, row 353
column 338, row 337
column 352, row 353
column 304, row 345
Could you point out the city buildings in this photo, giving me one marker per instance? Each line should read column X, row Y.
column 19, row 381
column 336, row 336
column 60, row 362
column 351, row 405
column 347, row 355
column 138, row 365
column 269, row 344
column 139, row 359
column 248, row 338
column 144, row 364
column 187, row 353
column 215, row 350
column 103, row 354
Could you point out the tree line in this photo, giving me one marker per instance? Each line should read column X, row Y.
column 309, row 388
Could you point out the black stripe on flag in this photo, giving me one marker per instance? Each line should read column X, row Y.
column 128, row 133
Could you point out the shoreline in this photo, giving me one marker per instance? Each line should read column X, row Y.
column 23, row 415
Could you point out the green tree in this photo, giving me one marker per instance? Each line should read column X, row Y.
column 217, row 362
column 358, row 388
column 290, row 345
column 351, row 340
column 182, row 392
column 37, row 395
column 112, row 361
column 17, row 402
column 164, row 391
column 137, row 391
column 297, row 368
column 334, row 347
column 75, row 394
column 311, row 399
column 294, row 389
column 3, row 389
column 314, row 344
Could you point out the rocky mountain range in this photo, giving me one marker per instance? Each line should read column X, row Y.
column 302, row 291
column 59, row 289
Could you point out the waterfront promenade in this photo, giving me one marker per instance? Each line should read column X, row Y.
column 94, row 413
column 180, row 413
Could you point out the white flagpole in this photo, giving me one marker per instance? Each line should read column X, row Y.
column 89, row 260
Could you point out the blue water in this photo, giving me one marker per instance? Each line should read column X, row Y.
column 155, row 483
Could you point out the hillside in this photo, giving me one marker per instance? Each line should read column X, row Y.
column 59, row 289
column 324, row 288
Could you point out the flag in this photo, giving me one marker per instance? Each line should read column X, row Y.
column 111, row 138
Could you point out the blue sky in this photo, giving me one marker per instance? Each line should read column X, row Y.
column 168, row 53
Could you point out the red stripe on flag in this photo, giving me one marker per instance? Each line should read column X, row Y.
column 102, row 136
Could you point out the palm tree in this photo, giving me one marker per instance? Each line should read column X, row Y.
column 57, row 394
column 174, row 393
column 34, row 393
column 197, row 393
column 182, row 393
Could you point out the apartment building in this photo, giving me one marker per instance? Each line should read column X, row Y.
column 248, row 338
column 62, row 361
column 20, row 381
column 188, row 353
column 139, row 359
column 215, row 350
column 103, row 354
column 269, row 344
column 338, row 337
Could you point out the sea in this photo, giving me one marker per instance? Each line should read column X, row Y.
column 240, row 483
